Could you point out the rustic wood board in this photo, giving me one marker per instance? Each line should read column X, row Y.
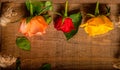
column 82, row 52
column 71, row 1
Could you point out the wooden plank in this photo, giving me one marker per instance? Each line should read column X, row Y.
column 82, row 52
column 72, row 1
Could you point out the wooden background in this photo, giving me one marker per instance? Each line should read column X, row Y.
column 81, row 52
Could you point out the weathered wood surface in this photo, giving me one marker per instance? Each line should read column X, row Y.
column 82, row 52
column 72, row 1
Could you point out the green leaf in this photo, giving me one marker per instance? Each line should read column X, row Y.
column 76, row 18
column 38, row 6
column 97, row 9
column 107, row 11
column 45, row 9
column 48, row 18
column 49, row 3
column 46, row 67
column 23, row 43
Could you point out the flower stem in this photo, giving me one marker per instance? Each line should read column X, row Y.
column 97, row 9
column 66, row 8
column 31, row 8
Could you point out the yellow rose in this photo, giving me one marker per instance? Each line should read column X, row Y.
column 98, row 25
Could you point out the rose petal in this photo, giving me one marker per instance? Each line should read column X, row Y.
column 37, row 25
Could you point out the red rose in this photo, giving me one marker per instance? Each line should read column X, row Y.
column 65, row 25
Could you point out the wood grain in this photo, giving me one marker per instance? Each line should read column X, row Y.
column 82, row 52
column 71, row 1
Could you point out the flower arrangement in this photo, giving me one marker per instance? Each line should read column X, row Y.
column 98, row 24
column 39, row 19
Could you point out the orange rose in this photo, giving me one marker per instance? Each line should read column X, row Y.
column 36, row 26
column 98, row 25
